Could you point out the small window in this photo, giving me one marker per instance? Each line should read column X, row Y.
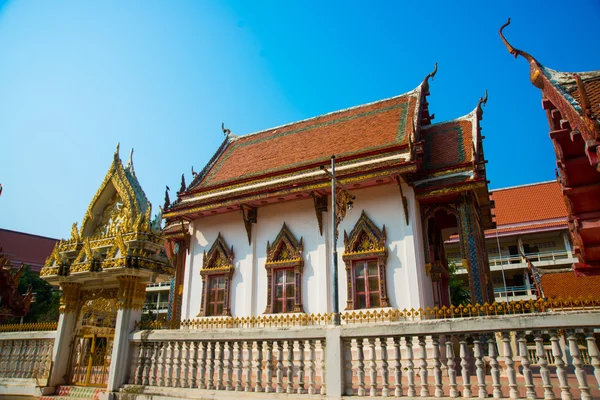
column 285, row 290
column 366, row 281
column 216, row 295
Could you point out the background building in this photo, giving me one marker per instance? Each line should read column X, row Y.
column 531, row 221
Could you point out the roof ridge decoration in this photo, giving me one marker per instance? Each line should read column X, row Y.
column 534, row 66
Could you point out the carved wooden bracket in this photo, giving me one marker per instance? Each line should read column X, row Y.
column 404, row 200
column 250, row 216
column 320, row 203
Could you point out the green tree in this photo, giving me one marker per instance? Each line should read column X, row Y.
column 459, row 293
column 44, row 308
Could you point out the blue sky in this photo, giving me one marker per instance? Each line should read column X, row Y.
column 160, row 76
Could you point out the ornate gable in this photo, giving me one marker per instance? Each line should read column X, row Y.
column 116, row 232
column 285, row 248
column 219, row 258
column 365, row 238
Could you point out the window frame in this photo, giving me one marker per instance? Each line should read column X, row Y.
column 217, row 262
column 276, row 261
column 367, row 291
column 366, row 242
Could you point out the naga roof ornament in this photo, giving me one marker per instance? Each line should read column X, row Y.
column 535, row 68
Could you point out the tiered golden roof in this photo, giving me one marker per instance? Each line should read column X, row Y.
column 116, row 232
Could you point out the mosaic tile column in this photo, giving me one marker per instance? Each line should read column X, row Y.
column 474, row 251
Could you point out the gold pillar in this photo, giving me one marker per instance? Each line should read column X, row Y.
column 132, row 293
column 69, row 297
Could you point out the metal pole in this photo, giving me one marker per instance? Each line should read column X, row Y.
column 335, row 305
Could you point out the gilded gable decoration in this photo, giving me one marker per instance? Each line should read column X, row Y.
column 365, row 242
column 218, row 262
column 365, row 238
column 285, row 253
column 116, row 232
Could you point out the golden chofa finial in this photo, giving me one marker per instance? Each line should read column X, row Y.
column 117, row 150
column 535, row 73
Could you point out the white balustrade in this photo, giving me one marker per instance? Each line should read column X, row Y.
column 26, row 358
column 453, row 358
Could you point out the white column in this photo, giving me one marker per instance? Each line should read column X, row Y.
column 61, row 352
column 334, row 363
column 130, row 310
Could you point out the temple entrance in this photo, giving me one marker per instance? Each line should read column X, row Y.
column 93, row 340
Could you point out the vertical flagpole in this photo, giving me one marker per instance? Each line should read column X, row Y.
column 335, row 305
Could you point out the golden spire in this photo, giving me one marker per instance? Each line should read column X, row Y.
column 535, row 73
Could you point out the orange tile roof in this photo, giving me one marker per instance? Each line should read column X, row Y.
column 361, row 129
column 567, row 284
column 529, row 203
column 527, row 227
column 448, row 143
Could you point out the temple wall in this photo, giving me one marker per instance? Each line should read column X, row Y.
column 407, row 284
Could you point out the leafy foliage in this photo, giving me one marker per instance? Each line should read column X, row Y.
column 459, row 293
column 44, row 308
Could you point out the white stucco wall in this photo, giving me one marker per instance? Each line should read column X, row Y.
column 407, row 284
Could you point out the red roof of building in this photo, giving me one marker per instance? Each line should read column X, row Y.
column 26, row 248
column 567, row 284
column 363, row 129
column 529, row 203
column 448, row 144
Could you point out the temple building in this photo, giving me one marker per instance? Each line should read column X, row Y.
column 531, row 239
column 572, row 105
column 251, row 233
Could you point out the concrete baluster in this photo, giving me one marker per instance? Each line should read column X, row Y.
column 525, row 363
column 323, row 389
column 269, row 366
column 510, row 366
column 289, row 365
column 349, row 391
column 464, row 363
column 177, row 365
column 437, row 364
column 372, row 368
column 154, row 364
column 228, row 360
column 360, row 367
column 194, row 364
column 578, row 364
column 300, row 368
column 259, row 367
column 239, row 355
column 594, row 354
column 185, row 364
column 561, row 372
column 210, row 366
column 385, row 373
column 410, row 365
column 160, row 373
column 169, row 362
column 397, row 367
column 279, row 373
column 139, row 363
column 202, row 365
column 451, row 367
column 219, row 365
column 147, row 363
column 423, row 367
column 543, row 363
column 310, row 346
column 248, row 366
column 495, row 370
